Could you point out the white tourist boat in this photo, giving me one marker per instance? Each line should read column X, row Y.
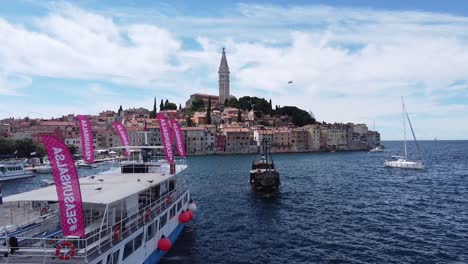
column 402, row 161
column 130, row 217
column 12, row 169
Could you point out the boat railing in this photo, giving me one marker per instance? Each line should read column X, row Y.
column 43, row 249
column 154, row 160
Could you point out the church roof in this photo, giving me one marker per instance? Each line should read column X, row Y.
column 223, row 66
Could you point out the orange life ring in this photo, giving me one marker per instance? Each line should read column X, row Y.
column 69, row 254
column 148, row 214
column 117, row 232
column 168, row 199
column 43, row 211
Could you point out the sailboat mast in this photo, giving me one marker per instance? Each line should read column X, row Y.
column 404, row 126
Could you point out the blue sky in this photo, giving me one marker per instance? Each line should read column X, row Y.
column 351, row 61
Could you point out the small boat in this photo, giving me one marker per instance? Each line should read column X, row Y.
column 376, row 149
column 263, row 176
column 84, row 164
column 402, row 161
column 42, row 169
column 12, row 169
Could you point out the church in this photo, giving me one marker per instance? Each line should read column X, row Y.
column 216, row 100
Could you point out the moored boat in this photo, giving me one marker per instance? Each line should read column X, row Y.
column 12, row 169
column 376, row 149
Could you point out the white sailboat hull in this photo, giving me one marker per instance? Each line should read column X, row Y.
column 404, row 164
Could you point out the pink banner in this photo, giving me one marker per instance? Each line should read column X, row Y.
column 179, row 137
column 166, row 137
column 87, row 147
column 67, row 185
column 120, row 129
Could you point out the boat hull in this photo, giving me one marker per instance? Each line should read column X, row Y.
column 265, row 182
column 14, row 177
column 404, row 165
column 156, row 256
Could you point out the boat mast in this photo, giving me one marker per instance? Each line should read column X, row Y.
column 414, row 135
column 404, row 126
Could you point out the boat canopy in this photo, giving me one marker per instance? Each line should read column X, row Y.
column 98, row 189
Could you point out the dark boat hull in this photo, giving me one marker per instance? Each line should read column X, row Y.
column 266, row 182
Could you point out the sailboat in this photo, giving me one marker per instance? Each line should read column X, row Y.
column 376, row 149
column 402, row 161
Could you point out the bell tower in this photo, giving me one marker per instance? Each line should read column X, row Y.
column 223, row 74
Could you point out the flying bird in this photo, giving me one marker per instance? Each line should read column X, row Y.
column 290, row 82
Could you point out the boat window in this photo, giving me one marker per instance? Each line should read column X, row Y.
column 163, row 221
column 171, row 185
column 2, row 169
column 172, row 212
column 115, row 257
column 138, row 241
column 150, row 232
column 179, row 206
column 128, row 249
column 156, row 226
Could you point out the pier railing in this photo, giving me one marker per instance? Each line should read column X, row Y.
column 36, row 249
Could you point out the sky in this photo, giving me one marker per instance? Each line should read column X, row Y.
column 350, row 61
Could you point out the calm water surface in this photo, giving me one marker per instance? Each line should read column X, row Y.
column 332, row 208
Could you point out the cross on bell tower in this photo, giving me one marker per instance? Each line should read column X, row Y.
column 223, row 74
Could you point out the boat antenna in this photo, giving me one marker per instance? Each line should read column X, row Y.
column 404, row 127
column 414, row 136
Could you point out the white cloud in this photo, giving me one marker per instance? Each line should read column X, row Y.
column 73, row 43
column 11, row 84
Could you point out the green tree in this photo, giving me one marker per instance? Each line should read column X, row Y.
column 198, row 105
column 208, row 112
column 166, row 103
column 170, row 106
column 180, row 106
column 120, row 110
column 22, row 147
column 298, row 116
column 155, row 110
column 189, row 121
column 161, row 105
column 226, row 102
column 239, row 116
column 233, row 102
